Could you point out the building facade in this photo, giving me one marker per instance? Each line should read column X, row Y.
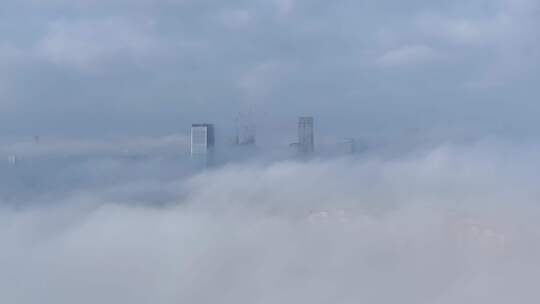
column 347, row 146
column 306, row 138
column 202, row 139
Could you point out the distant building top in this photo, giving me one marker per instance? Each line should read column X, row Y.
column 202, row 139
column 306, row 141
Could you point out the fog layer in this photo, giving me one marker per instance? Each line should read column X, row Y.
column 457, row 224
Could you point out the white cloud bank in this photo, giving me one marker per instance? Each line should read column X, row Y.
column 455, row 225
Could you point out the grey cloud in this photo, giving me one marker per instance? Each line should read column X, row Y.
column 173, row 62
column 83, row 44
column 176, row 144
column 405, row 55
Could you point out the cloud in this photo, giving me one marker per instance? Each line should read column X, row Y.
column 406, row 55
column 259, row 82
column 88, row 44
column 11, row 57
column 285, row 7
column 451, row 224
column 84, row 4
column 237, row 18
column 167, row 61
column 55, row 147
column 9, row 53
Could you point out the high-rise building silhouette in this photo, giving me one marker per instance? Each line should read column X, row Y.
column 202, row 139
column 245, row 129
column 347, row 146
column 306, row 141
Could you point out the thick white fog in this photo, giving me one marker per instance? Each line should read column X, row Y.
column 455, row 224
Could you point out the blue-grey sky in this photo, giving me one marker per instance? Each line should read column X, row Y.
column 144, row 67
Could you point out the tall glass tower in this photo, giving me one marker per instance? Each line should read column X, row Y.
column 306, row 142
column 202, row 139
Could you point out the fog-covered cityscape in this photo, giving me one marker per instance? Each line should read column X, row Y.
column 276, row 151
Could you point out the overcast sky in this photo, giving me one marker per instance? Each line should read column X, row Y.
column 145, row 67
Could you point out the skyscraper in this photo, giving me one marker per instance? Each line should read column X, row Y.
column 202, row 139
column 347, row 146
column 306, row 142
column 245, row 129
